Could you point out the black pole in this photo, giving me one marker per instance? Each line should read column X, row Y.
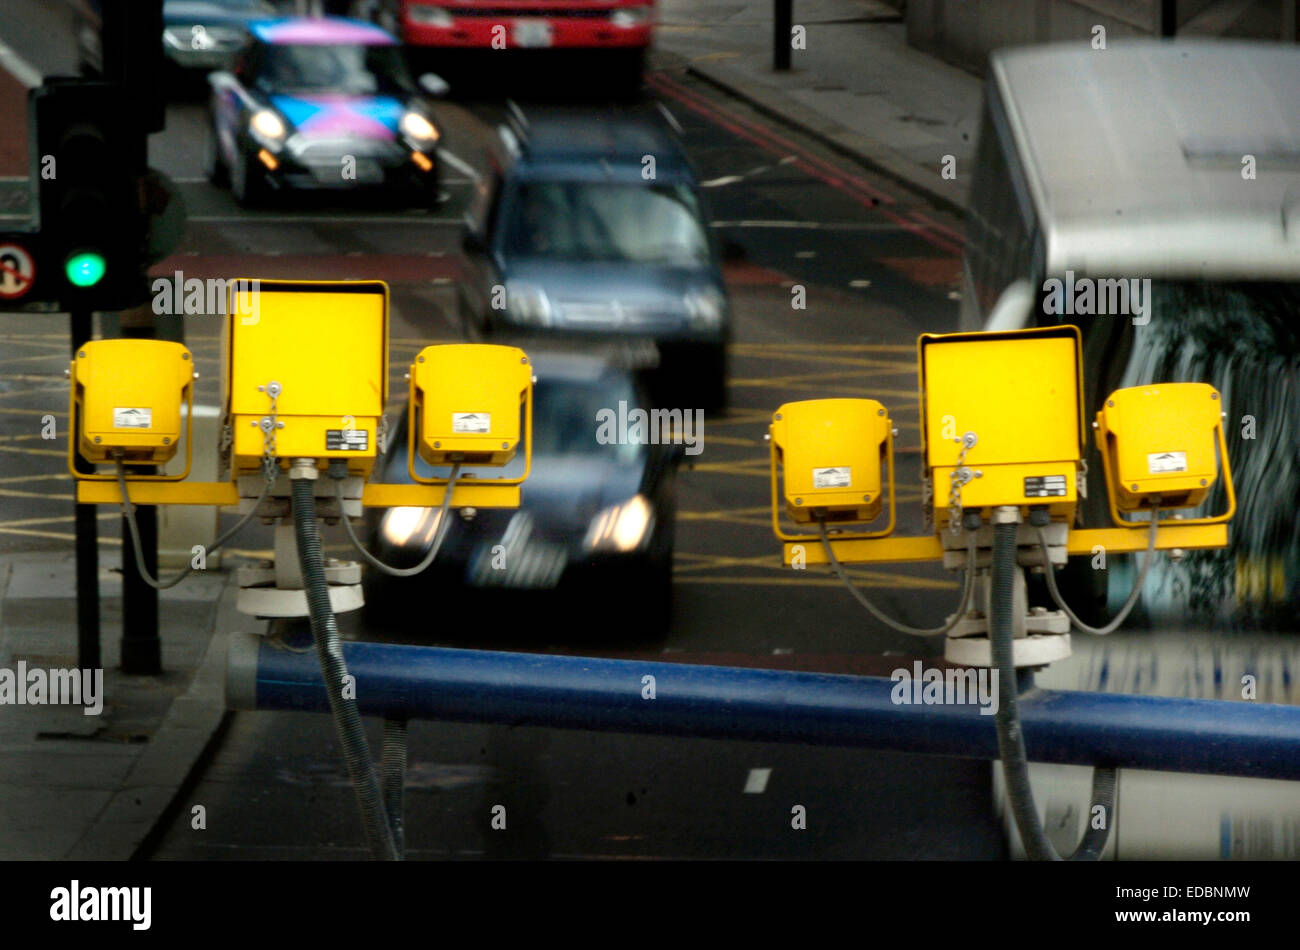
column 87, row 534
column 1169, row 17
column 782, row 23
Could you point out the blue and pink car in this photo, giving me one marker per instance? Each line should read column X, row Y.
column 323, row 103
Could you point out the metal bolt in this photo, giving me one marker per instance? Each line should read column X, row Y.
column 880, row 412
column 167, row 440
column 1110, row 403
column 777, row 416
column 261, row 389
column 523, row 359
column 273, row 388
column 1202, row 481
column 81, row 355
column 98, row 439
column 279, row 425
column 1214, row 395
column 253, row 423
column 798, row 501
column 185, row 356
column 506, row 445
column 1135, row 488
column 419, row 359
column 866, row 497
column 437, row 445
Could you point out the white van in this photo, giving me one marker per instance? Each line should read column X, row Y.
column 1150, row 194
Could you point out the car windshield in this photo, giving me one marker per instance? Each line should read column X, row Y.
column 580, row 221
column 349, row 70
column 566, row 420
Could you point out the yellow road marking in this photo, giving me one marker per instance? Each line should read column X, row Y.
column 36, row 478
column 23, row 451
column 17, row 493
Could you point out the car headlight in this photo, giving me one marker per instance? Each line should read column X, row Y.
column 704, row 308
column 419, row 129
column 401, row 526
column 621, row 528
column 528, row 304
column 429, row 16
column 627, row 17
column 267, row 127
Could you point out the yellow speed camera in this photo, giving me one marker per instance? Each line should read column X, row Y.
column 306, row 370
column 126, row 396
column 1163, row 440
column 831, row 453
column 1001, row 419
column 471, row 404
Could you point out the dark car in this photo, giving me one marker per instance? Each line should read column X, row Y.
column 594, row 225
column 596, row 518
column 322, row 103
column 198, row 35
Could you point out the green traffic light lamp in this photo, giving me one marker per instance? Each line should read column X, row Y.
column 85, row 268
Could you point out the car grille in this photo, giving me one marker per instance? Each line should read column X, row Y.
column 612, row 313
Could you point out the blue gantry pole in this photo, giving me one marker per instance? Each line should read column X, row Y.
column 1179, row 735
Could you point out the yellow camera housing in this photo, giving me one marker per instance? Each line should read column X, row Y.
column 830, row 452
column 1020, row 393
column 471, row 404
column 1161, row 439
column 325, row 346
column 126, row 396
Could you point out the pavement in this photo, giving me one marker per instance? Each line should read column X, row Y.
column 93, row 787
column 856, row 86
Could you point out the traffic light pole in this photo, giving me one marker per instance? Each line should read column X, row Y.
column 87, row 535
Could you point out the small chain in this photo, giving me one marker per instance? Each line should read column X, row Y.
column 958, row 477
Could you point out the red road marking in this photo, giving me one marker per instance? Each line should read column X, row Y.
column 857, row 188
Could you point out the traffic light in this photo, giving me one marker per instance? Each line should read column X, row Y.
column 88, row 161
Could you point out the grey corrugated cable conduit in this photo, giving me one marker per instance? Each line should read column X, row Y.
column 1011, row 740
column 347, row 716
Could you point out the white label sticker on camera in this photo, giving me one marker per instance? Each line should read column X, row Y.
column 126, row 417
column 471, row 423
column 832, row 477
column 1159, row 462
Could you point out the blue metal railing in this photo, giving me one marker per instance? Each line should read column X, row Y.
column 1178, row 735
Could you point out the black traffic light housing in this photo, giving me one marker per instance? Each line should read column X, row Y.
column 88, row 158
